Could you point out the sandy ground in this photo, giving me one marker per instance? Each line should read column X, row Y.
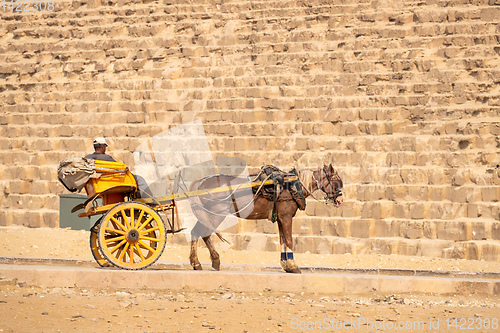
column 27, row 309
column 75, row 310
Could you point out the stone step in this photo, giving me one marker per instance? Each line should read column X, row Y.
column 442, row 230
column 250, row 281
column 488, row 250
column 378, row 199
column 233, row 86
column 479, row 134
column 241, row 87
column 151, row 24
column 417, row 58
column 43, row 218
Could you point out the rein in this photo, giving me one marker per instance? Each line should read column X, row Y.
column 224, row 199
column 325, row 199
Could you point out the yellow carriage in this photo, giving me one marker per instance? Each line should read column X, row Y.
column 131, row 234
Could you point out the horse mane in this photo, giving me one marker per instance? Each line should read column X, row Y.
column 305, row 176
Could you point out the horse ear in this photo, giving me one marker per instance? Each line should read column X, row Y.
column 330, row 167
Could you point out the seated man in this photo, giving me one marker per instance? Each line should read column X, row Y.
column 100, row 146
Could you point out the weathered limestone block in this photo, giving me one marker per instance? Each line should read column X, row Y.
column 347, row 245
column 258, row 242
column 401, row 210
column 32, row 202
column 479, row 230
column 241, row 241
column 350, row 209
column 456, row 251
column 490, row 14
column 490, row 194
column 451, row 211
column 50, row 219
column 362, row 228
column 313, row 226
column 473, row 250
column 382, row 246
column 435, row 211
column 386, row 209
column 260, row 225
column 461, row 177
column 460, row 194
column 429, row 229
column 480, row 178
column 432, row 248
column 436, row 193
column 490, row 252
column 418, row 193
column 371, row 210
column 495, row 231
column 336, row 227
column 269, row 227
column 456, row 231
column 487, row 211
column 386, row 228
column 20, row 186
column 408, row 247
column 7, row 218
column 496, row 176
column 417, row 211
column 373, row 193
column 249, row 226
column 411, row 229
column 413, row 176
column 34, row 219
column 309, row 244
column 472, row 211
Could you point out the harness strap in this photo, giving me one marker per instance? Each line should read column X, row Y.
column 274, row 216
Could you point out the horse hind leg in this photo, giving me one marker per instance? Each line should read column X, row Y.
column 214, row 255
column 193, row 256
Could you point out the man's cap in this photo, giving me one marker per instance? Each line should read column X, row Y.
column 100, row 141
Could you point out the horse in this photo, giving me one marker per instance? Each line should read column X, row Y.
column 211, row 210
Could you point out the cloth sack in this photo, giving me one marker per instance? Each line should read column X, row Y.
column 74, row 173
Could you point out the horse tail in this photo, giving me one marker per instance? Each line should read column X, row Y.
column 222, row 238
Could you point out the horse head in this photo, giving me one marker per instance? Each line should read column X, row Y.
column 329, row 182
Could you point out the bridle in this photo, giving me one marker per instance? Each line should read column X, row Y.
column 329, row 197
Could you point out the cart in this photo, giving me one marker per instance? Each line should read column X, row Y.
column 131, row 234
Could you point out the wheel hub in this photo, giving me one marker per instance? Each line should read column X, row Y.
column 133, row 236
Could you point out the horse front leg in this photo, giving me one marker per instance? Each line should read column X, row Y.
column 214, row 255
column 287, row 261
column 193, row 256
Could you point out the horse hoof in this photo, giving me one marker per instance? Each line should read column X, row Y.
column 216, row 265
column 284, row 266
column 198, row 267
column 295, row 270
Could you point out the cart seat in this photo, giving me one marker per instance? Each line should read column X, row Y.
column 115, row 177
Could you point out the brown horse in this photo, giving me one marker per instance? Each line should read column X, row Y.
column 212, row 210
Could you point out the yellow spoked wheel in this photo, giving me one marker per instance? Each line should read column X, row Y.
column 131, row 236
column 94, row 247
